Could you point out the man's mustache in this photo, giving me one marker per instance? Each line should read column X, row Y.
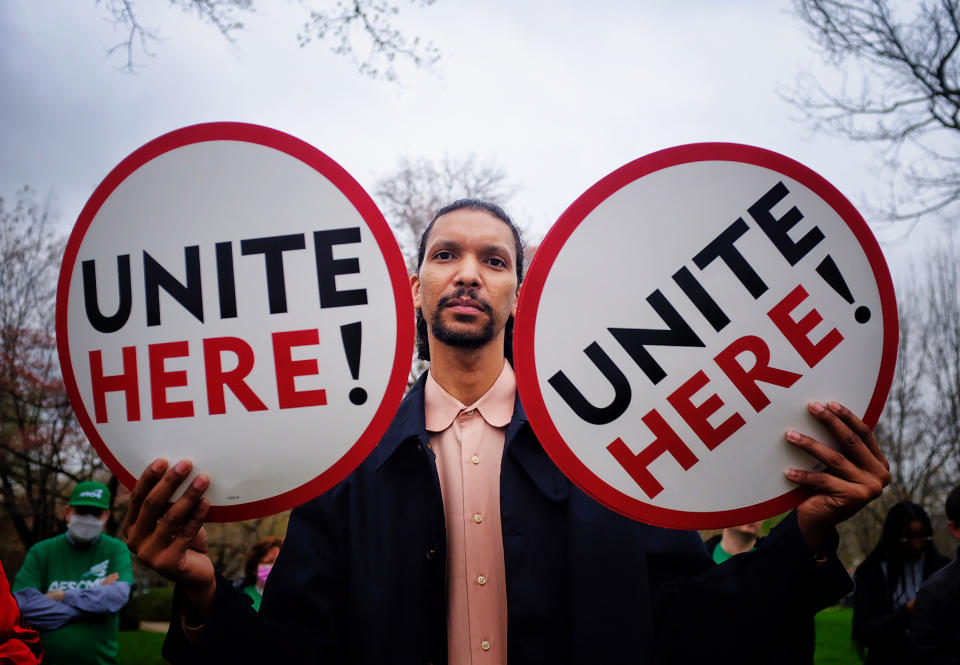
column 465, row 293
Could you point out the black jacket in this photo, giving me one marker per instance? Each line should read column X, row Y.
column 935, row 625
column 361, row 576
column 880, row 628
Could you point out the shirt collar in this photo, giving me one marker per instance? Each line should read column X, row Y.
column 495, row 405
column 408, row 426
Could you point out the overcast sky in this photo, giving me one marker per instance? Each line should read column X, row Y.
column 559, row 97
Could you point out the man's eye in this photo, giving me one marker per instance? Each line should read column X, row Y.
column 443, row 255
column 498, row 263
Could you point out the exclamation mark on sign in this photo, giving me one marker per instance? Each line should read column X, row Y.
column 351, row 333
column 831, row 275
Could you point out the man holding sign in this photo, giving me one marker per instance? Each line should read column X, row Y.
column 458, row 540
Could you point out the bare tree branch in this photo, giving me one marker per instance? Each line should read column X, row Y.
column 353, row 22
column 411, row 195
column 919, row 429
column 352, row 25
column 901, row 89
column 42, row 452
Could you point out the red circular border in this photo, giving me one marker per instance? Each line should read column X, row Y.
column 524, row 352
column 306, row 153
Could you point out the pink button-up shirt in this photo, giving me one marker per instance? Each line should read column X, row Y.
column 468, row 443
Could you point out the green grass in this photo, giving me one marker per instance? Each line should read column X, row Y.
column 139, row 647
column 151, row 606
column 833, row 638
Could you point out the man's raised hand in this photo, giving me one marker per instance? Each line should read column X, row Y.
column 855, row 473
column 169, row 537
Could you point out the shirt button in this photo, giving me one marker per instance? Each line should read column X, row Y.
column 475, row 459
column 485, row 645
column 468, row 413
column 478, row 518
column 431, row 553
column 481, row 580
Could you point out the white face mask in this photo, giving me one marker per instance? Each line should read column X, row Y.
column 84, row 528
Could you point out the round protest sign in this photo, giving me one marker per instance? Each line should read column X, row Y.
column 678, row 318
column 231, row 295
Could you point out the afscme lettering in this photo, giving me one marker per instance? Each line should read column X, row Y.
column 189, row 292
column 216, row 379
column 73, row 585
column 699, row 413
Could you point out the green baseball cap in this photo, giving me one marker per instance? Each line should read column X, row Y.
column 90, row 493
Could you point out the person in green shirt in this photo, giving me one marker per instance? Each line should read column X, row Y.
column 72, row 586
column 734, row 540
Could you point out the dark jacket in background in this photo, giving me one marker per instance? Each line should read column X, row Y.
column 935, row 625
column 361, row 576
column 803, row 641
column 880, row 628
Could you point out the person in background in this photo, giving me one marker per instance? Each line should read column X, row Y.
column 734, row 540
column 887, row 583
column 935, row 625
column 256, row 567
column 72, row 586
column 19, row 643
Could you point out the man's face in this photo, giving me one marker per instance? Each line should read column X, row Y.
column 467, row 285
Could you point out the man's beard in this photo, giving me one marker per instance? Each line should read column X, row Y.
column 462, row 339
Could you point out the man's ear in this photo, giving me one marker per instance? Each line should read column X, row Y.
column 516, row 299
column 954, row 529
column 415, row 290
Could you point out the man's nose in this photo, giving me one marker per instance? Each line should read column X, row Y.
column 468, row 272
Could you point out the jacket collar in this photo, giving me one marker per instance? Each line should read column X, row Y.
column 409, row 423
column 530, row 455
column 409, row 426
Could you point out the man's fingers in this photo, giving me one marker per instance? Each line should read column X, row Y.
column 852, row 435
column 172, row 522
column 192, row 528
column 157, row 500
column 145, row 483
column 199, row 542
column 820, row 482
column 834, row 460
column 829, row 485
column 864, row 432
column 176, row 531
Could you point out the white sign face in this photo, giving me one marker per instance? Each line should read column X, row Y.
column 231, row 295
column 678, row 318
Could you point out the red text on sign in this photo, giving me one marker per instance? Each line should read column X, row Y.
column 746, row 381
column 217, row 380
